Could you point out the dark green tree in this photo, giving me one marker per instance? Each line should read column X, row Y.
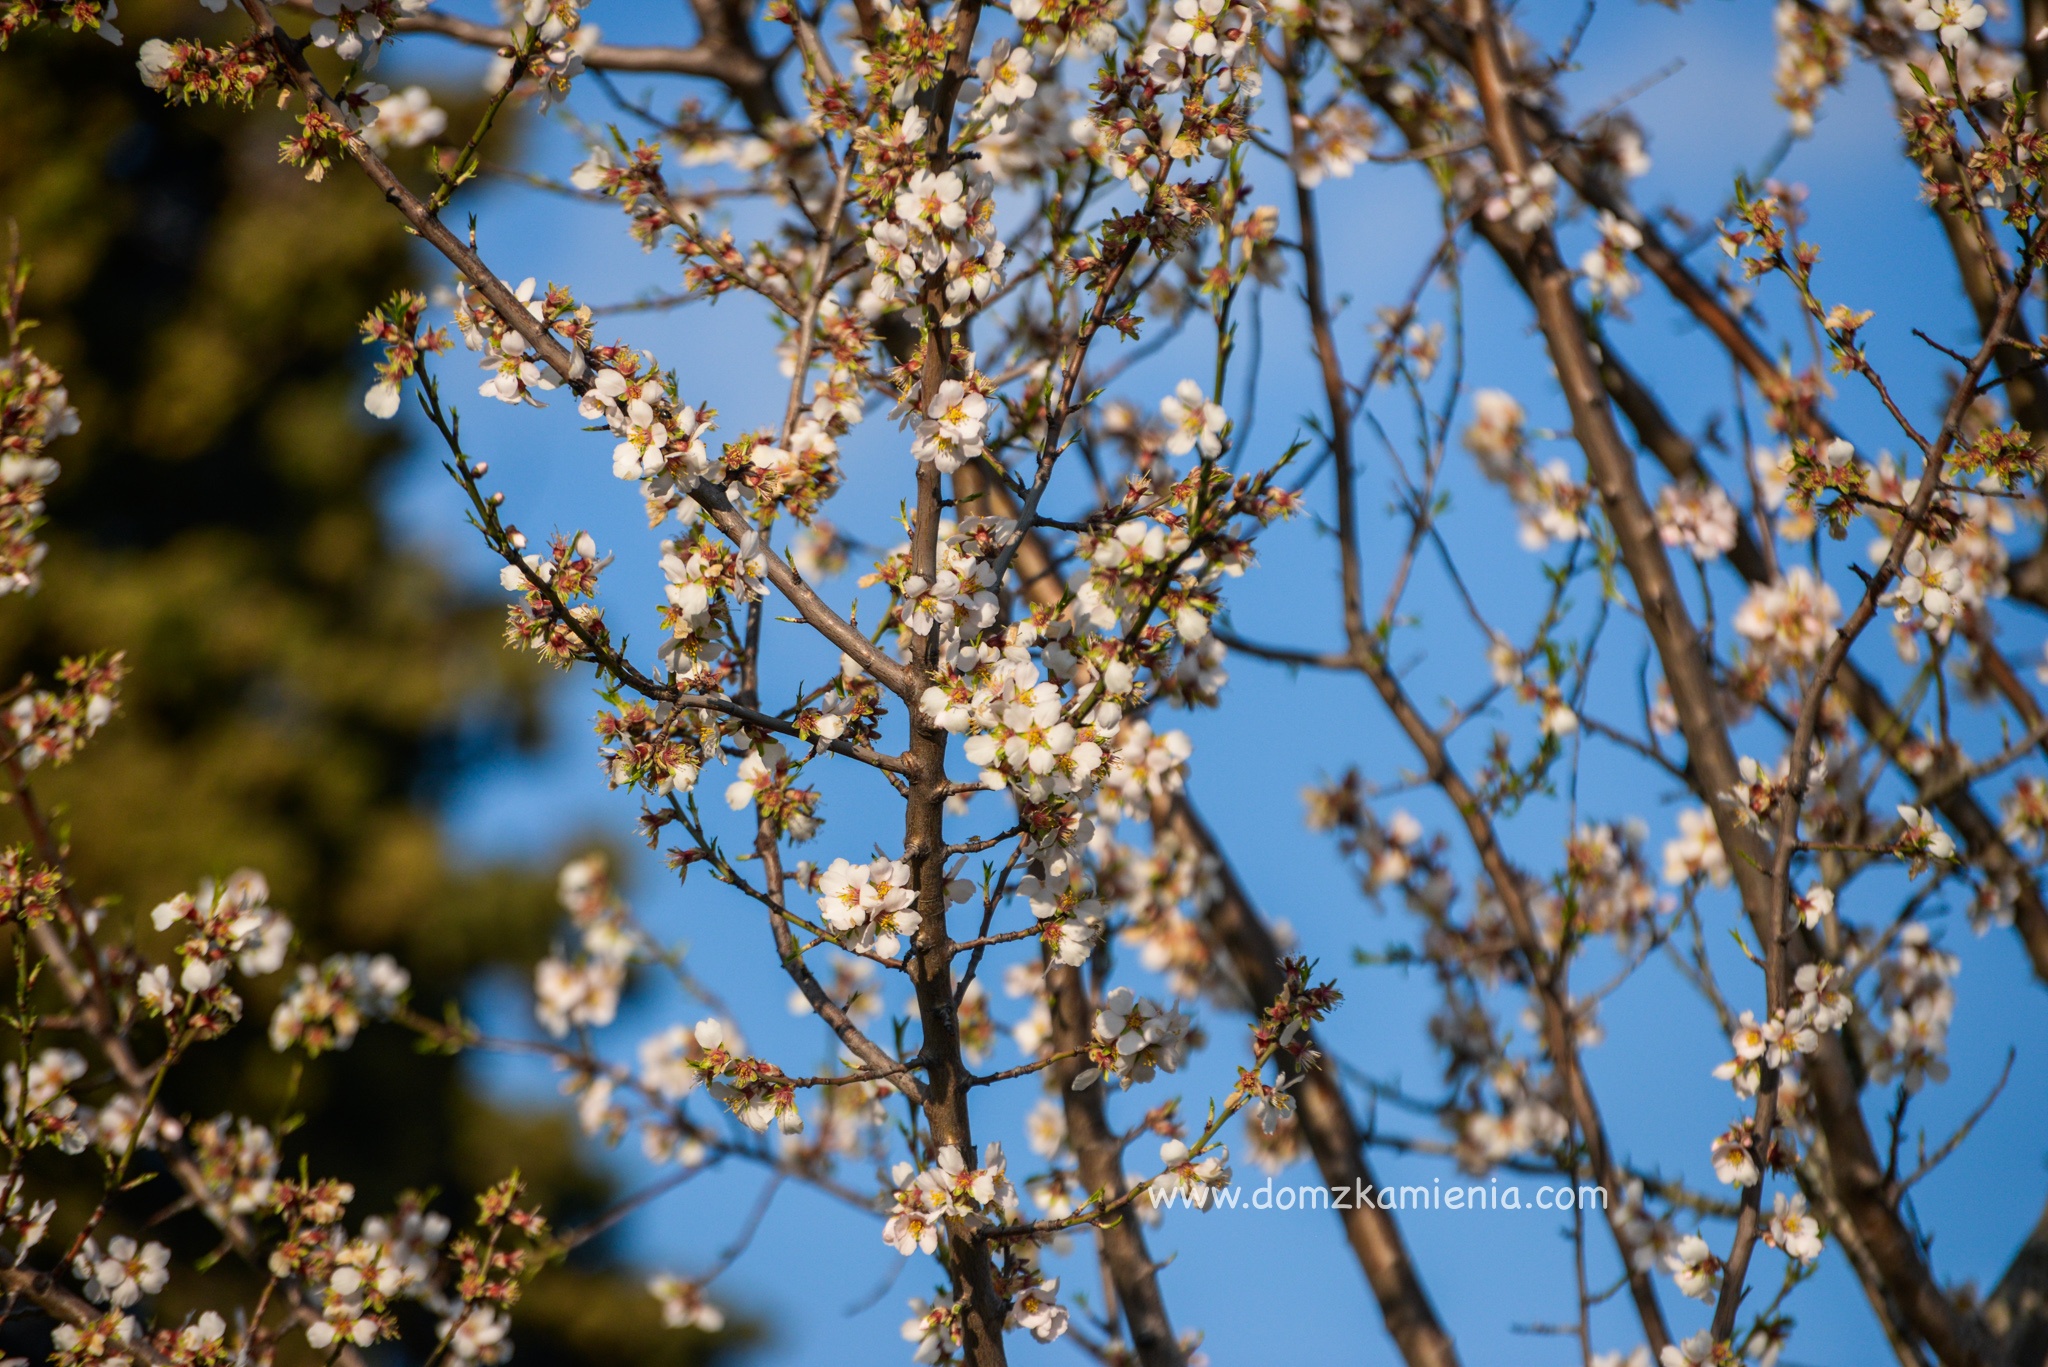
column 303, row 691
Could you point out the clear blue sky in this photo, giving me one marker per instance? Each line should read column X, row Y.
column 1255, row 1282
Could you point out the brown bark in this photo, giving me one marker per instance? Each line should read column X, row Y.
column 1324, row 1115
column 2017, row 1312
column 42, row 1290
column 929, row 962
column 724, row 52
column 1866, row 697
column 1861, row 1183
column 1254, row 955
column 1364, row 654
column 1099, row 1158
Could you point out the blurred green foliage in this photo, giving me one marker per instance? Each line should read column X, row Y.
column 302, row 690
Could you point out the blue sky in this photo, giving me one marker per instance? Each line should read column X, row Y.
column 1254, row 1281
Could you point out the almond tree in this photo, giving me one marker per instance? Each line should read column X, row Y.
column 973, row 209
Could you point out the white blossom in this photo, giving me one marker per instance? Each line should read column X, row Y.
column 1194, row 420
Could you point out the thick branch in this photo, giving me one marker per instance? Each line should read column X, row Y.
column 1099, row 1156
column 1324, row 1115
column 41, row 1289
column 724, row 52
column 1862, row 1186
column 929, row 960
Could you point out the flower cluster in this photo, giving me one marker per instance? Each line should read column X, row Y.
column 1549, row 503
column 1813, row 54
column 124, row 1273
column 766, row 781
column 358, row 1281
column 1695, row 1268
column 1526, row 1121
column 406, row 119
column 2025, row 809
column 1134, row 1038
column 399, row 328
column 1821, row 1007
column 229, row 925
column 584, row 992
column 188, row 72
column 754, row 1090
column 704, row 575
column 1790, row 622
column 237, row 1161
column 49, row 727
column 35, row 409
column 1529, row 201
column 40, row 1105
column 1696, row 852
column 549, row 39
column 684, row 1306
column 1191, row 1177
column 1332, row 142
column 1700, row 520
column 1921, row 840
column 949, row 1197
column 1918, row 1000
column 355, row 32
column 328, row 1004
column 1070, row 918
column 515, row 373
column 936, row 227
column 1606, row 265
column 567, row 574
column 1606, row 888
column 1281, row 1032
